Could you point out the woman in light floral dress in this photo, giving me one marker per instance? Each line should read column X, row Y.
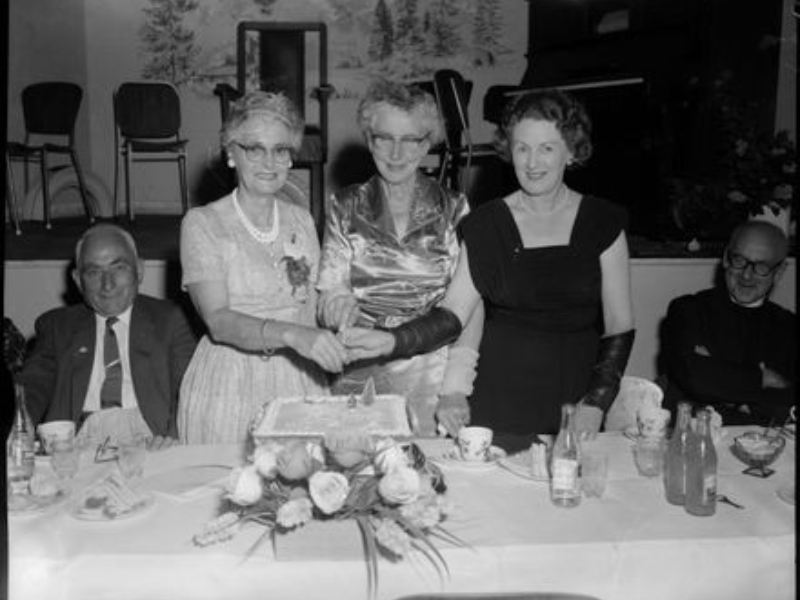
column 249, row 264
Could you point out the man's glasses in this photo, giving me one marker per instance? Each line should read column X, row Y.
column 281, row 155
column 385, row 144
column 740, row 263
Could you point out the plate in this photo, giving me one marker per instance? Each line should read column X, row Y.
column 100, row 514
column 520, row 464
column 786, row 493
column 28, row 504
column 452, row 458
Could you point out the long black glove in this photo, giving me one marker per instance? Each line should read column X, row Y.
column 612, row 358
column 433, row 330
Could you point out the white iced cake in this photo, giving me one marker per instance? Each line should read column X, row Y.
column 316, row 416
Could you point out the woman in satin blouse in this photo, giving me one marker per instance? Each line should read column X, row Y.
column 390, row 250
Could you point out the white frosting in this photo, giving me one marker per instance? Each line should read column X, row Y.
column 319, row 415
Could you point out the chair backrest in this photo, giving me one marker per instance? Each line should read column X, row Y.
column 281, row 57
column 453, row 94
column 51, row 107
column 149, row 110
column 634, row 392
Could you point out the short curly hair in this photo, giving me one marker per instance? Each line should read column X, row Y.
column 267, row 105
column 557, row 107
column 409, row 98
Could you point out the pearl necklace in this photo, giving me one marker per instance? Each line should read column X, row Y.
column 260, row 236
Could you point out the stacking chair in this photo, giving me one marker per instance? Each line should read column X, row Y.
column 274, row 56
column 147, row 118
column 453, row 95
column 50, row 110
column 634, row 392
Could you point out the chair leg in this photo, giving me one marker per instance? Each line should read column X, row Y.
column 45, row 189
column 182, row 176
column 128, row 198
column 316, row 193
column 82, row 185
column 11, row 196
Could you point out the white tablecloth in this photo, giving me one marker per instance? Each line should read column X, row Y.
column 629, row 545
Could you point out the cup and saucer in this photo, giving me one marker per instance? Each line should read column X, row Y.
column 473, row 450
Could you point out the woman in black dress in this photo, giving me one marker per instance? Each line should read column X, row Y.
column 551, row 267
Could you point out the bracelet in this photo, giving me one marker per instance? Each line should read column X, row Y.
column 266, row 351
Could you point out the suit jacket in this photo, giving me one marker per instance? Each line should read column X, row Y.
column 56, row 373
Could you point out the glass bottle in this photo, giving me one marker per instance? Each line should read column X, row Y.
column 701, row 469
column 675, row 463
column 565, row 488
column 20, row 447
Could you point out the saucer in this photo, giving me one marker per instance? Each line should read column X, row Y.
column 28, row 504
column 452, row 458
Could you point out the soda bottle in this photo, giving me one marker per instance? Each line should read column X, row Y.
column 565, row 488
column 675, row 463
column 701, row 469
column 20, row 447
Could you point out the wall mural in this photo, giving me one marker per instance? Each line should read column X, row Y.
column 192, row 42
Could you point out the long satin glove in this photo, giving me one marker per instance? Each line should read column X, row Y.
column 433, row 330
column 612, row 358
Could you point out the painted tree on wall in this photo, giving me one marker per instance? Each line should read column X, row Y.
column 381, row 38
column 265, row 7
column 169, row 45
column 442, row 28
column 487, row 33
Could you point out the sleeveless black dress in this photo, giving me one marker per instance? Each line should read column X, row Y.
column 543, row 315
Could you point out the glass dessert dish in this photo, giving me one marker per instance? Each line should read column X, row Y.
column 758, row 450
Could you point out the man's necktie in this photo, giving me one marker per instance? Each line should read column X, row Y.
column 111, row 392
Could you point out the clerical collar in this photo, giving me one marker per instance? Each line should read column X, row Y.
column 756, row 304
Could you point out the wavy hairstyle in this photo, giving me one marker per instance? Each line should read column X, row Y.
column 409, row 98
column 562, row 109
column 267, row 105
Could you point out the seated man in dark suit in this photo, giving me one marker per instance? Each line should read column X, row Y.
column 116, row 361
column 731, row 347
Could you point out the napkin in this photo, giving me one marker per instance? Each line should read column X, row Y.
column 187, row 483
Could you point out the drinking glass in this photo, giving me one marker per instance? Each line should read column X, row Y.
column 131, row 456
column 648, row 454
column 64, row 457
column 594, row 472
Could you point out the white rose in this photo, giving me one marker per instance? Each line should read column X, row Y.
column 244, row 485
column 400, row 486
column 389, row 455
column 266, row 461
column 328, row 490
column 294, row 513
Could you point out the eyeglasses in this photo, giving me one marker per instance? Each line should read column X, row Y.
column 95, row 274
column 738, row 262
column 385, row 144
column 281, row 155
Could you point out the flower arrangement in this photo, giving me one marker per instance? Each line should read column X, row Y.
column 393, row 493
column 754, row 170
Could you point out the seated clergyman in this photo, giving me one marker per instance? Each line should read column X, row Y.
column 730, row 346
column 115, row 361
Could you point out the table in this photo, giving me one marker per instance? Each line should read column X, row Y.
column 628, row 545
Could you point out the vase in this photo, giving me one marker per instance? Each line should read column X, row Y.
column 782, row 219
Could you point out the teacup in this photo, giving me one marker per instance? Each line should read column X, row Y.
column 474, row 443
column 55, row 430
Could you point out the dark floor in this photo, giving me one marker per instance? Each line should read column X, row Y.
column 157, row 237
